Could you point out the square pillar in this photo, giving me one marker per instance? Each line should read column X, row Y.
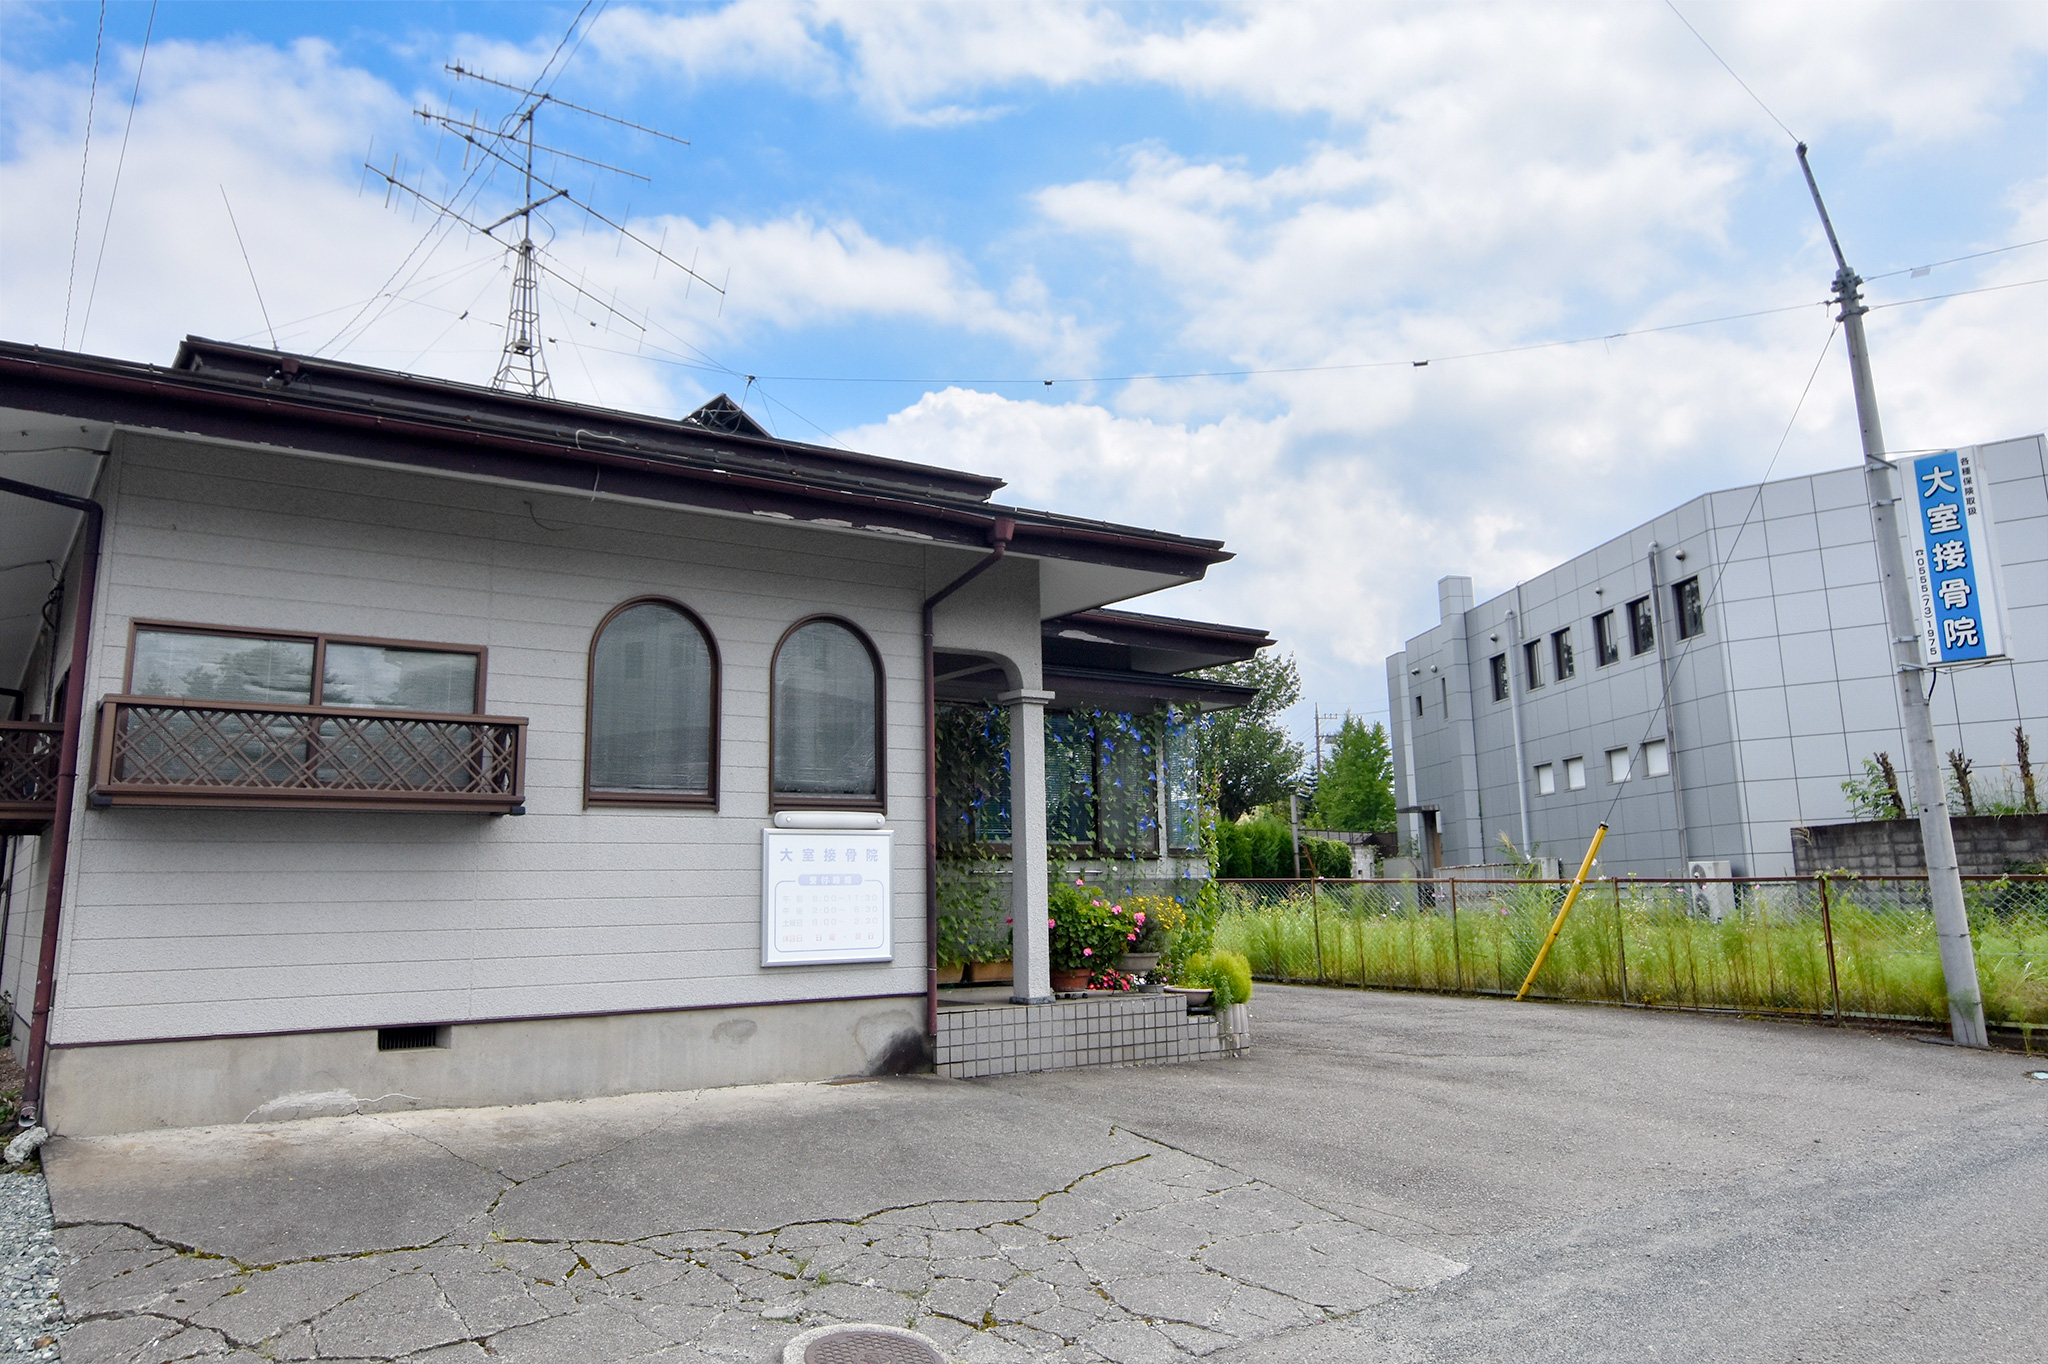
column 1030, row 944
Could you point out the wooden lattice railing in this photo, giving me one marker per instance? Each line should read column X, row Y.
column 28, row 775
column 158, row 752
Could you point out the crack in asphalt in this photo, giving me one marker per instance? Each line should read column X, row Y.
column 738, row 1281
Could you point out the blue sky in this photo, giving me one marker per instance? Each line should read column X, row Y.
column 981, row 193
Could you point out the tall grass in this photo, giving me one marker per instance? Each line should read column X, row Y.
column 1641, row 943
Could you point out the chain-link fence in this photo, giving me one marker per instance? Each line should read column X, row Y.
column 1821, row 947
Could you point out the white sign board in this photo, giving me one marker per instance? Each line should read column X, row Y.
column 1951, row 559
column 825, row 896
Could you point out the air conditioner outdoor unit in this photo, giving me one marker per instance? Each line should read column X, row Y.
column 1711, row 895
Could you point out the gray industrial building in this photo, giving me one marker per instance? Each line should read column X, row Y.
column 1758, row 611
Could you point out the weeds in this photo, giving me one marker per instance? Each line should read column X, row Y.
column 1649, row 943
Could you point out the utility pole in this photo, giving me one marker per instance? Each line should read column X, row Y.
column 1923, row 760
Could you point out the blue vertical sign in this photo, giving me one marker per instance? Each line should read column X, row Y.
column 1951, row 559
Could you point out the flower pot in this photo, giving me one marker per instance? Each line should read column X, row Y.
column 1069, row 982
column 990, row 972
column 1197, row 999
column 1141, row 963
column 950, row 974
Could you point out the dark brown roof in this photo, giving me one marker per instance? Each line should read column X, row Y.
column 244, row 394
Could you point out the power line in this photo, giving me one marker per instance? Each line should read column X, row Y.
column 1422, row 363
column 119, row 162
column 1724, row 558
column 92, row 101
column 1959, row 293
column 263, row 307
column 1917, row 270
column 1731, row 71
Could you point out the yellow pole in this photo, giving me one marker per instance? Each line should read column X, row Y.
column 1557, row 924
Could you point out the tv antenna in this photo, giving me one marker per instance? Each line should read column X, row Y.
column 522, row 365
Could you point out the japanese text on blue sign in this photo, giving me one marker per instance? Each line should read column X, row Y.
column 1954, row 579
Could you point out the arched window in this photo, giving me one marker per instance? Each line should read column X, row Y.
column 652, row 735
column 826, row 718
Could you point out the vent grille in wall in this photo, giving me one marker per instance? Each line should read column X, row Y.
column 408, row 1039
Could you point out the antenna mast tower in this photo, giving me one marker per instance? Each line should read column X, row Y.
column 524, row 366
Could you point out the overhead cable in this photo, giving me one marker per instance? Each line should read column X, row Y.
column 119, row 162
column 92, row 102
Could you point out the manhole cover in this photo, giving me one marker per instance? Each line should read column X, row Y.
column 861, row 1345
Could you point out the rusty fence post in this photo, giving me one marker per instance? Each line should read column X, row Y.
column 1315, row 909
column 1620, row 938
column 1457, row 953
column 1827, row 928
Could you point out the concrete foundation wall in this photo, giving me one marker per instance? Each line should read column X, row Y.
column 1986, row 845
column 135, row 1087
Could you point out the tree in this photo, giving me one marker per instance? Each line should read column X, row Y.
column 1357, row 786
column 1246, row 757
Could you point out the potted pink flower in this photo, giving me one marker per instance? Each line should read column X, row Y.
column 1088, row 934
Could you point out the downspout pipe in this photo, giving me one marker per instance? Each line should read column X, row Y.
column 1670, row 720
column 1000, row 532
column 67, row 783
column 1517, row 657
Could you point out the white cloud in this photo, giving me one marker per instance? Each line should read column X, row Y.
column 1921, row 71
column 1474, row 178
column 282, row 130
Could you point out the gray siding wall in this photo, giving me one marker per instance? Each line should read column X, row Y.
column 1781, row 699
column 189, row 923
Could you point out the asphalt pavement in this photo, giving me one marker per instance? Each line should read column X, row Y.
column 1385, row 1177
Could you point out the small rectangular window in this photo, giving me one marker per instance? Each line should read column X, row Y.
column 1561, row 654
column 1574, row 774
column 201, row 664
column 191, row 666
column 1443, row 687
column 1656, row 759
column 1606, row 649
column 1685, row 604
column 1499, row 664
column 1617, row 765
column 1546, row 780
column 1532, row 663
column 378, row 677
column 1418, row 705
column 1642, row 626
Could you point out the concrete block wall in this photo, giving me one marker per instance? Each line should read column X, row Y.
column 1986, row 845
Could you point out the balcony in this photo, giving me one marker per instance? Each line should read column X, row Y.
column 28, row 776
column 263, row 757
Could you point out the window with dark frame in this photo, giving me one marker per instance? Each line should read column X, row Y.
column 263, row 667
column 1561, row 654
column 1606, row 649
column 235, row 717
column 825, row 718
column 651, row 731
column 1418, row 705
column 1532, row 663
column 1642, row 627
column 1500, row 677
column 1685, row 604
